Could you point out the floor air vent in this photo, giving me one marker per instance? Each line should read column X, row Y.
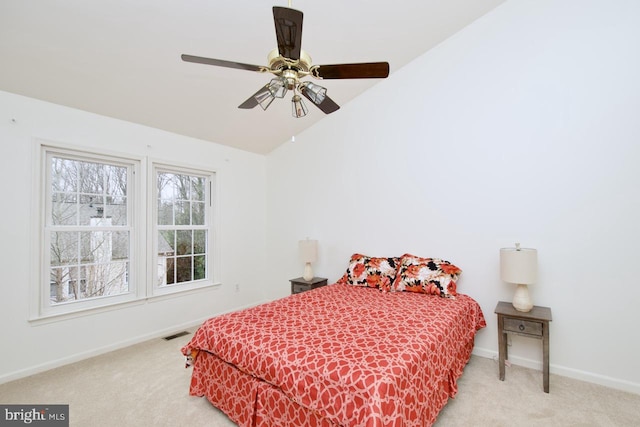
column 178, row 335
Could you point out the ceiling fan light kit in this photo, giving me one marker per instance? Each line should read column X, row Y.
column 314, row 92
column 278, row 87
column 289, row 63
column 264, row 98
column 298, row 107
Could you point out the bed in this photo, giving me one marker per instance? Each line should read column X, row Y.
column 355, row 353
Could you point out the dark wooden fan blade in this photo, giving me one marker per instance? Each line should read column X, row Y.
column 221, row 63
column 252, row 101
column 365, row 70
column 327, row 105
column 288, row 31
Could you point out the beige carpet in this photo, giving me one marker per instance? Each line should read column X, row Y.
column 147, row 385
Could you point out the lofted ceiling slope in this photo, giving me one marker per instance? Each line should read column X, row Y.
column 121, row 58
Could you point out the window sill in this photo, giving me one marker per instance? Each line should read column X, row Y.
column 174, row 293
column 90, row 311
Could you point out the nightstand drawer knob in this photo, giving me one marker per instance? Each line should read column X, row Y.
column 521, row 327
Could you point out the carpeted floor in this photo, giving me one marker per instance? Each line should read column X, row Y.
column 147, row 385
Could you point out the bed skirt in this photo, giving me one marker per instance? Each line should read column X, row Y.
column 251, row 402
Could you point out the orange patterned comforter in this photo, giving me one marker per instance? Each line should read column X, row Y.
column 352, row 355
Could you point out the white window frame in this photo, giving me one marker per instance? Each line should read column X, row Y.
column 142, row 217
column 210, row 224
column 42, row 308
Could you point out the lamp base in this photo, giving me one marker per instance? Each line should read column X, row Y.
column 308, row 272
column 522, row 300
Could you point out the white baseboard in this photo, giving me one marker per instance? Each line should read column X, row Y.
column 12, row 376
column 603, row 380
column 95, row 352
column 576, row 374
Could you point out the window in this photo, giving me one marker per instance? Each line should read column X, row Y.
column 182, row 228
column 87, row 230
column 94, row 227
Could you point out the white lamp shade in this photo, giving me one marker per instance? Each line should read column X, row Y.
column 308, row 250
column 519, row 265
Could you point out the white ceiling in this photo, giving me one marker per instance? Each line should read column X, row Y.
column 121, row 58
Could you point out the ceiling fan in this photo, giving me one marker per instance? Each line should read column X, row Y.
column 289, row 64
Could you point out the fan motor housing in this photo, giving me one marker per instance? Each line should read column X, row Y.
column 277, row 62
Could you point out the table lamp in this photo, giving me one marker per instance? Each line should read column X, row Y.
column 308, row 254
column 519, row 266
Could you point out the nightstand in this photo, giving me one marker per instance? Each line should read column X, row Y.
column 533, row 324
column 300, row 285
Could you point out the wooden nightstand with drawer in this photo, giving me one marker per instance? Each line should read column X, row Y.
column 533, row 324
column 300, row 285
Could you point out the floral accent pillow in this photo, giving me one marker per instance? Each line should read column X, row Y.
column 432, row 276
column 372, row 272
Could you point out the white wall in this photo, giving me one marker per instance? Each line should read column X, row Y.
column 27, row 348
column 522, row 127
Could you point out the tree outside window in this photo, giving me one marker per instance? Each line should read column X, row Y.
column 182, row 227
column 100, row 234
column 87, row 228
